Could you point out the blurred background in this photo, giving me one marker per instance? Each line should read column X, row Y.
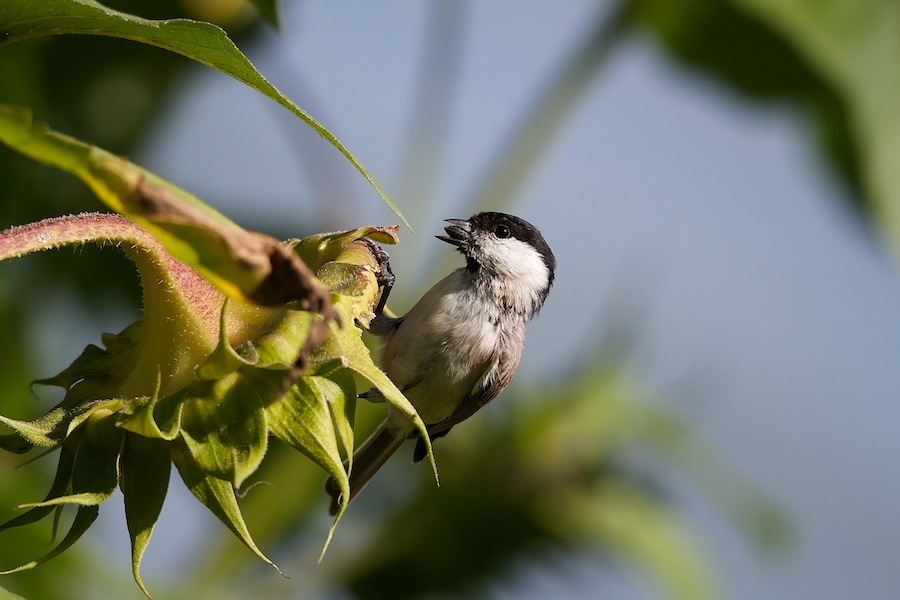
column 707, row 403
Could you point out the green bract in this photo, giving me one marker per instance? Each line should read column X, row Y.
column 200, row 381
column 243, row 338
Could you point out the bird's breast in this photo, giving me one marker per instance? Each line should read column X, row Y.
column 446, row 346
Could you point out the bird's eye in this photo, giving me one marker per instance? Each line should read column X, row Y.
column 502, row 231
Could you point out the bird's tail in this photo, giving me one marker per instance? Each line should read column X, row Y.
column 368, row 458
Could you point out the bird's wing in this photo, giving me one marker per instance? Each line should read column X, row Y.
column 495, row 379
column 469, row 407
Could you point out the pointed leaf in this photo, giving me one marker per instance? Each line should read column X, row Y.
column 7, row 595
column 52, row 428
column 15, row 443
column 301, row 419
column 151, row 418
column 48, row 430
column 318, row 249
column 224, row 427
column 83, row 520
column 61, row 482
column 199, row 41
column 92, row 362
column 96, row 410
column 111, row 363
column 144, row 479
column 95, row 473
column 339, row 389
column 217, row 495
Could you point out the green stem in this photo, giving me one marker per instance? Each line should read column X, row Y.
column 181, row 309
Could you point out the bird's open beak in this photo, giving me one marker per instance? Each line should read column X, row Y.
column 459, row 233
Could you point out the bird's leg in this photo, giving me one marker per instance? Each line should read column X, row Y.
column 385, row 277
column 386, row 283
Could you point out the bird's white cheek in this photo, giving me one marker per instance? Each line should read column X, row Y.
column 516, row 262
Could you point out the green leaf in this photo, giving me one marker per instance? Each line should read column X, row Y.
column 92, row 362
column 151, row 418
column 301, row 418
column 339, row 389
column 144, row 479
column 223, row 425
column 199, row 41
column 95, row 473
column 83, row 520
column 7, row 595
column 345, row 278
column 279, row 348
column 854, row 45
column 318, row 249
column 217, row 495
column 315, row 417
column 97, row 411
column 52, row 428
column 48, row 430
column 61, row 482
column 247, row 265
column 15, row 443
column 97, row 371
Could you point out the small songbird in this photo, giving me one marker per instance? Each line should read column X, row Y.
column 461, row 343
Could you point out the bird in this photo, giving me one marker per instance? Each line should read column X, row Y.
column 461, row 343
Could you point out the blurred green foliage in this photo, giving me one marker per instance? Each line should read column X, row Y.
column 721, row 39
column 835, row 61
column 542, row 478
